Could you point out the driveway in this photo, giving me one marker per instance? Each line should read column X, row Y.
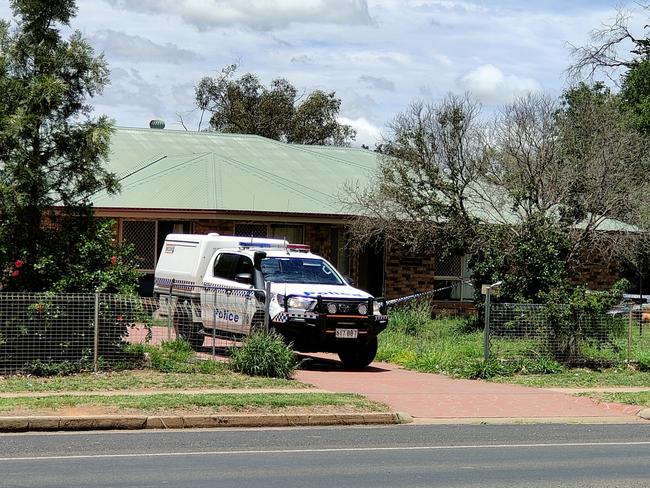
column 434, row 397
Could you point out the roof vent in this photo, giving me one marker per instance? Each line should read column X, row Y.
column 157, row 124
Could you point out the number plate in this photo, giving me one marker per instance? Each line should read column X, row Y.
column 347, row 333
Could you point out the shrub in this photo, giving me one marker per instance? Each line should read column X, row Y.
column 578, row 320
column 53, row 327
column 264, row 354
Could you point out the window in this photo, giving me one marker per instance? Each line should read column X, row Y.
column 340, row 252
column 245, row 265
column 225, row 265
column 148, row 237
column 292, row 233
column 299, row 270
column 450, row 270
column 142, row 235
column 251, row 230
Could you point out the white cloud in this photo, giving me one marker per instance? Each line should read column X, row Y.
column 258, row 14
column 367, row 133
column 489, row 84
column 120, row 45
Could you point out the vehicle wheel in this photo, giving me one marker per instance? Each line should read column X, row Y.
column 185, row 327
column 359, row 355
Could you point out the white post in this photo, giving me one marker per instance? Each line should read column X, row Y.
column 96, row 338
column 267, row 305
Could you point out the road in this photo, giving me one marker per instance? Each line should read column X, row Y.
column 410, row 455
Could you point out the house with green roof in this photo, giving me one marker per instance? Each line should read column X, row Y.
column 247, row 185
column 199, row 182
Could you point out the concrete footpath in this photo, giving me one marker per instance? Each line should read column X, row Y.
column 435, row 398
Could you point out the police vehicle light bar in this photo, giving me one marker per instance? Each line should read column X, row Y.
column 299, row 247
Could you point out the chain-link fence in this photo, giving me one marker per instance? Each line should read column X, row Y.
column 558, row 332
column 96, row 331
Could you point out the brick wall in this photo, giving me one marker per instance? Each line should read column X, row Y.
column 407, row 273
column 597, row 274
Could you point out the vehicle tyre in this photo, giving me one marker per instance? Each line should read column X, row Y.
column 359, row 355
column 185, row 327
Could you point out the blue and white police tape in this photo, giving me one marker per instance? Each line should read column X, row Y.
column 415, row 296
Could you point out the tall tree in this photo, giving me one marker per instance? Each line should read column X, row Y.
column 246, row 106
column 52, row 152
column 531, row 198
column 635, row 95
column 602, row 54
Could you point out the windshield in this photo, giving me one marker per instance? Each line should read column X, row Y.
column 299, row 270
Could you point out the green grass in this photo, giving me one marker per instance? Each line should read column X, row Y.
column 641, row 398
column 415, row 341
column 438, row 346
column 582, row 378
column 232, row 402
column 142, row 379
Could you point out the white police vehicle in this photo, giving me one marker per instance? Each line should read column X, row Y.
column 216, row 284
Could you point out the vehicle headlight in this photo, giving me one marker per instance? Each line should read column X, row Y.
column 278, row 297
column 376, row 308
column 331, row 308
column 302, row 303
column 362, row 309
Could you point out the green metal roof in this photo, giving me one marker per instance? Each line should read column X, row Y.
column 180, row 170
column 170, row 169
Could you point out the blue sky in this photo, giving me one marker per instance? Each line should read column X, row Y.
column 378, row 55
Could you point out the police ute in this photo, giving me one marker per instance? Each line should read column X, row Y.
column 210, row 283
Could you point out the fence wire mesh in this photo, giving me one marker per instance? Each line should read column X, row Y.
column 39, row 331
column 534, row 331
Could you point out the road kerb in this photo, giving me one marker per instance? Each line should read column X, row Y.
column 116, row 422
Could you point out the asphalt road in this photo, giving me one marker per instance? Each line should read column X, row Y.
column 415, row 455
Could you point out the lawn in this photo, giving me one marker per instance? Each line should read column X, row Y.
column 191, row 403
column 146, row 379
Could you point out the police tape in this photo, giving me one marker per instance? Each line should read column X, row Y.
column 415, row 296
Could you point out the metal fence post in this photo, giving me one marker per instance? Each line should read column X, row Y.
column 96, row 338
column 629, row 337
column 486, row 336
column 267, row 305
column 170, row 311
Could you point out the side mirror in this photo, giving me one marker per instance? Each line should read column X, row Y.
column 348, row 280
column 257, row 259
column 244, row 278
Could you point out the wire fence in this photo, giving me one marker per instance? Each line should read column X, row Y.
column 558, row 332
column 39, row 331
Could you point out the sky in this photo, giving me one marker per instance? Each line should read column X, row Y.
column 377, row 55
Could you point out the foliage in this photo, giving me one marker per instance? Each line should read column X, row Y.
column 50, row 328
column 643, row 361
column 635, row 95
column 264, row 354
column 97, row 263
column 531, row 198
column 529, row 262
column 577, row 318
column 246, row 106
column 314, row 122
column 51, row 151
